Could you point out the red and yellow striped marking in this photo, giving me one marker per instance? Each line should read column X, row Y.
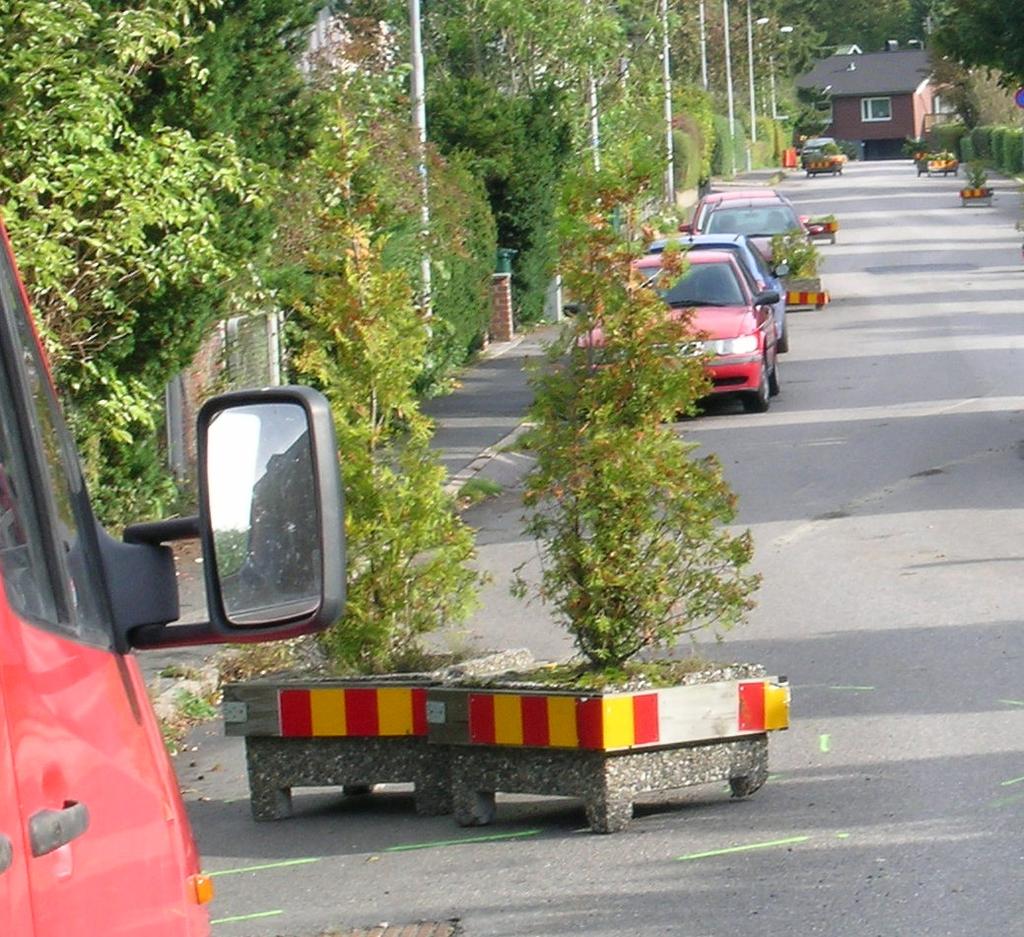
column 763, row 707
column 807, row 298
column 599, row 723
column 353, row 711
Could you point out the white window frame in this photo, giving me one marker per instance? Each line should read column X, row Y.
column 866, row 109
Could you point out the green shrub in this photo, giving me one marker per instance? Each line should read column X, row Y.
column 947, row 137
column 998, row 141
column 696, row 104
column 981, row 140
column 1013, row 151
column 633, row 526
column 967, row 153
column 723, row 161
column 688, row 156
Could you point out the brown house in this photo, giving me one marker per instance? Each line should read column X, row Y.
column 876, row 99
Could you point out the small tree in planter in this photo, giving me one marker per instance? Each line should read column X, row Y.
column 976, row 191
column 635, row 554
column 630, row 524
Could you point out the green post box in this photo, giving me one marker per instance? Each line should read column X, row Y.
column 503, row 264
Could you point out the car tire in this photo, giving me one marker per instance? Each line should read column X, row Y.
column 773, row 381
column 758, row 401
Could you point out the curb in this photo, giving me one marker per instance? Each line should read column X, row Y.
column 454, row 484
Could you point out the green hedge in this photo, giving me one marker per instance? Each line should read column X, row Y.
column 981, row 140
column 967, row 154
column 723, row 162
column 1013, row 151
column 946, row 137
column 998, row 143
column 688, row 157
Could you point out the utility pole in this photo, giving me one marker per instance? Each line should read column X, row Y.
column 750, row 76
column 419, row 123
column 728, row 79
column 595, row 128
column 666, row 77
column 703, row 47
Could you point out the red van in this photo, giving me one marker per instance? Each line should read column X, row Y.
column 94, row 838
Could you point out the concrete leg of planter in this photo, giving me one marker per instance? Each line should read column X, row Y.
column 750, row 768
column 276, row 765
column 474, row 808
column 609, row 813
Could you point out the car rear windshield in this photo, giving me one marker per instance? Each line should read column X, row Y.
column 764, row 221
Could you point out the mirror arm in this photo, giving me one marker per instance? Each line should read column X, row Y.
column 156, row 532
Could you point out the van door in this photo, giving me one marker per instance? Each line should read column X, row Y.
column 15, row 913
column 108, row 846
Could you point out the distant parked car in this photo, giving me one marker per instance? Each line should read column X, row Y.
column 760, row 219
column 761, row 274
column 733, row 321
column 709, row 201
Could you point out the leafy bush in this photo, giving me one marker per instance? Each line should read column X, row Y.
column 967, row 154
column 913, row 146
column 998, row 146
column 694, row 104
column 632, row 530
column 947, row 136
column 356, row 334
column 1013, row 151
column 977, row 177
column 723, row 159
column 981, row 141
column 799, row 252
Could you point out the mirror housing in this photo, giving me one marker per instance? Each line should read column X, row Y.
column 685, row 227
column 767, row 298
column 271, row 524
column 781, row 269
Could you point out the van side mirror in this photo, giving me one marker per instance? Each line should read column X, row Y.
column 271, row 524
column 263, row 515
column 781, row 269
column 767, row 298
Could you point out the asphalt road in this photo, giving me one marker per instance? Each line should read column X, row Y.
column 884, row 490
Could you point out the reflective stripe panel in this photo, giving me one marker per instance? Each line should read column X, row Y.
column 329, row 712
column 562, row 730
column 366, row 712
column 508, row 720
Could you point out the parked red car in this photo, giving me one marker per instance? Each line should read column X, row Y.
column 709, row 201
column 735, row 324
column 760, row 219
column 94, row 838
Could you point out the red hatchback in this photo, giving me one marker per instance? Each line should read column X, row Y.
column 734, row 323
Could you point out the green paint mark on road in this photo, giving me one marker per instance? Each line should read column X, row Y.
column 1012, row 702
column 825, row 742
column 1007, row 801
column 734, row 849
column 842, row 835
column 851, row 688
column 461, row 842
column 260, row 868
column 1011, row 781
column 246, row 917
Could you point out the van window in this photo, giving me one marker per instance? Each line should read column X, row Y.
column 47, row 541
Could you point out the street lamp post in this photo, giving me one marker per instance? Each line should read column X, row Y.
column 666, row 75
column 703, row 47
column 728, row 77
column 419, row 122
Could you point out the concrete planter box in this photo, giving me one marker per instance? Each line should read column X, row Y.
column 460, row 744
column 805, row 292
column 322, row 733
column 975, row 197
column 605, row 748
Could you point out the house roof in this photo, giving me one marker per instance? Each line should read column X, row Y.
column 871, row 73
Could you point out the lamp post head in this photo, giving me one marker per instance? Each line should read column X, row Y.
column 786, row 29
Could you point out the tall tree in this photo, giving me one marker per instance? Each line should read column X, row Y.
column 988, row 33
